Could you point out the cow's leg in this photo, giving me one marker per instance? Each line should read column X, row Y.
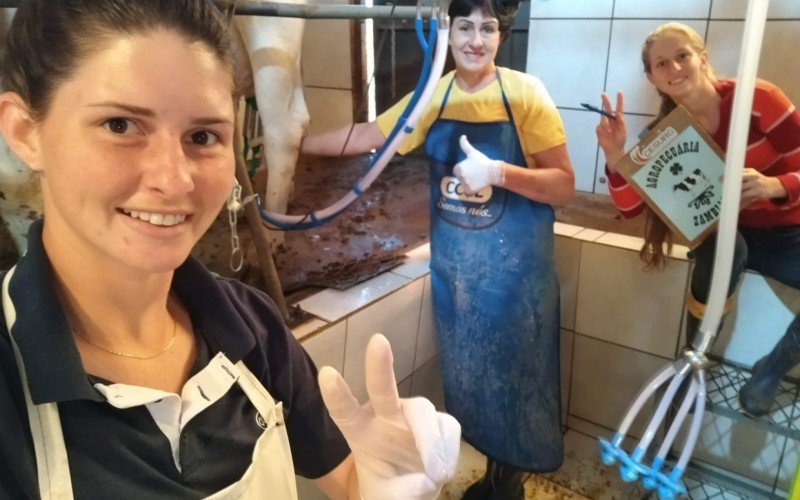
column 273, row 46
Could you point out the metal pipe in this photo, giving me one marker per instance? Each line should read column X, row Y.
column 277, row 9
column 736, row 149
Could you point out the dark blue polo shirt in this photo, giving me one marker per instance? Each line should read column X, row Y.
column 121, row 453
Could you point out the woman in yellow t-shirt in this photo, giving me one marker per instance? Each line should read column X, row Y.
column 498, row 160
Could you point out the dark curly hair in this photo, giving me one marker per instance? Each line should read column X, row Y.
column 503, row 10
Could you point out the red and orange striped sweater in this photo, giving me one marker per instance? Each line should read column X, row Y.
column 773, row 149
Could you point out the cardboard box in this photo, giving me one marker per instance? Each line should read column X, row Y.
column 677, row 170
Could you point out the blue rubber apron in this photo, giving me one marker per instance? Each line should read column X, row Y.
column 496, row 303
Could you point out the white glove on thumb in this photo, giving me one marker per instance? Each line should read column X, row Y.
column 402, row 448
column 477, row 171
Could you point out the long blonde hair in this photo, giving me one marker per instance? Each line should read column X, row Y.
column 656, row 232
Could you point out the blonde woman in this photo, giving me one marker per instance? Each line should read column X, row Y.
column 677, row 64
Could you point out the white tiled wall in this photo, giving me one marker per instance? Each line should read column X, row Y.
column 676, row 9
column 327, row 64
column 780, row 60
column 327, row 73
column 427, row 347
column 404, row 387
column 427, row 382
column 551, row 43
column 397, row 317
column 613, row 306
column 568, row 258
column 606, row 378
column 778, row 9
column 328, row 349
column 567, row 344
column 601, row 44
column 582, row 143
column 720, row 35
column 571, row 8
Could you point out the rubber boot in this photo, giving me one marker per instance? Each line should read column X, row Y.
column 757, row 395
column 480, row 489
column 501, row 482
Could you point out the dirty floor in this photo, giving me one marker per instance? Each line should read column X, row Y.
column 581, row 477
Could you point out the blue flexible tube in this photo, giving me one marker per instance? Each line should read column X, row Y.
column 420, row 34
column 424, row 74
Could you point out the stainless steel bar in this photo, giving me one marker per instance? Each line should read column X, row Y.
column 277, row 9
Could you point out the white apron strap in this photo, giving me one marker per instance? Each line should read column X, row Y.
column 52, row 465
column 258, row 395
column 271, row 473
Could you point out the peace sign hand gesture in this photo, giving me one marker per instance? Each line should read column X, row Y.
column 402, row 448
column 612, row 134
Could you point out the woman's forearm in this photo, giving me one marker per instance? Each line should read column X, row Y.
column 552, row 180
column 552, row 185
column 346, row 141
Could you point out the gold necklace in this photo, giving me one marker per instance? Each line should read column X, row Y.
column 129, row 355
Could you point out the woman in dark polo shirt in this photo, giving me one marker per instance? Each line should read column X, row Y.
column 126, row 369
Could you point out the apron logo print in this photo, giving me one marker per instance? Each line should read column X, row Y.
column 454, row 190
column 260, row 421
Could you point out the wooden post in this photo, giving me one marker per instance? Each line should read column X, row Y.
column 263, row 251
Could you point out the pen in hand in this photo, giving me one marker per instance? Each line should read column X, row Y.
column 598, row 110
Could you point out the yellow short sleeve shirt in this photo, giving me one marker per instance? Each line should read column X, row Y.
column 536, row 118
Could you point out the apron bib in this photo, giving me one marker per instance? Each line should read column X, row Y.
column 496, row 301
column 270, row 474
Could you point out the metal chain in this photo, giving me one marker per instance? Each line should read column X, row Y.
column 234, row 205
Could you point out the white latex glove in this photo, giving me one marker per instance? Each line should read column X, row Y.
column 477, row 171
column 403, row 449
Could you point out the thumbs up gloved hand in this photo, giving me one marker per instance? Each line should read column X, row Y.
column 477, row 171
column 403, row 449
